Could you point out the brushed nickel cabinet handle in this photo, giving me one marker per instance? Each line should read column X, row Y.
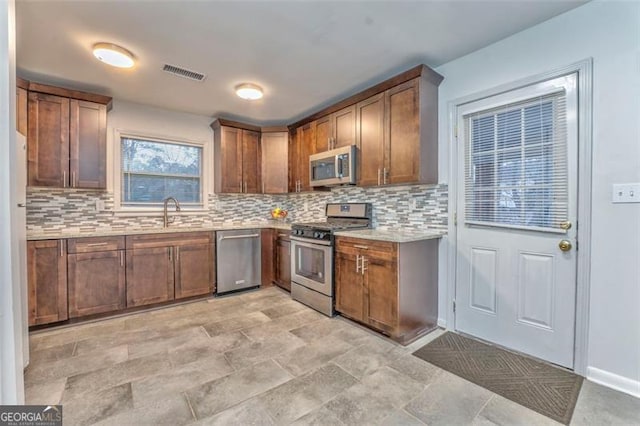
column 96, row 244
column 385, row 175
column 378, row 175
column 64, row 178
column 121, row 258
column 61, row 248
column 177, row 254
column 363, row 267
column 357, row 263
column 361, row 247
column 73, row 180
column 170, row 253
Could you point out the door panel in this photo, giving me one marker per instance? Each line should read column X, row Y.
column 349, row 287
column 194, row 270
column 96, row 282
column 370, row 140
column 274, row 162
column 307, row 147
column 251, row 160
column 294, row 159
column 536, row 285
column 48, row 140
column 344, row 127
column 283, row 263
column 88, row 145
column 149, row 276
column 403, row 133
column 484, row 265
column 231, row 152
column 382, row 289
column 47, row 280
column 514, row 285
column 322, row 134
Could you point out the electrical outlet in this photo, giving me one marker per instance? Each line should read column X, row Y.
column 626, row 193
column 99, row 205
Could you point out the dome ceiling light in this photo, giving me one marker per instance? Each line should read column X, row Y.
column 113, row 55
column 249, row 91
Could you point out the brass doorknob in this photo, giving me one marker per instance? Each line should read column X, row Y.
column 565, row 245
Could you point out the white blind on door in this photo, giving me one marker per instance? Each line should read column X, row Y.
column 516, row 165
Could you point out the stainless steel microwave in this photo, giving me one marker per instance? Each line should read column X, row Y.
column 333, row 167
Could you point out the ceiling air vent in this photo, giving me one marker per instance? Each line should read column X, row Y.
column 182, row 72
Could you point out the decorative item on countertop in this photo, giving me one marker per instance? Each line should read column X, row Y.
column 279, row 213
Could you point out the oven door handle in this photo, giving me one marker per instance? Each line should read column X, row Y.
column 310, row 243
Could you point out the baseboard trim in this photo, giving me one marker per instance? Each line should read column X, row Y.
column 614, row 381
column 442, row 323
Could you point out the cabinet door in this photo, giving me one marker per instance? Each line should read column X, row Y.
column 274, row 162
column 47, row 278
column 194, row 270
column 48, row 140
column 349, row 287
column 370, row 140
column 88, row 145
column 344, row 127
column 149, row 276
column 294, row 164
column 283, row 263
column 381, row 284
column 21, row 110
column 307, row 142
column 231, row 160
column 251, row 160
column 96, row 282
column 322, row 134
column 402, row 156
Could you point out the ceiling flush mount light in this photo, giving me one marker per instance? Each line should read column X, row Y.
column 249, row 91
column 113, row 55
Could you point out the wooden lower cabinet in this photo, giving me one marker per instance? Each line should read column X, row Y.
column 391, row 287
column 283, row 261
column 164, row 267
column 149, row 276
column 194, row 273
column 47, row 278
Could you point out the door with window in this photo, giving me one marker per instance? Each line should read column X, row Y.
column 517, row 231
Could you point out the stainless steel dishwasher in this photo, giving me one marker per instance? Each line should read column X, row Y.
column 239, row 262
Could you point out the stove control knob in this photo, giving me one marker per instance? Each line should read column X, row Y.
column 321, row 235
column 316, row 235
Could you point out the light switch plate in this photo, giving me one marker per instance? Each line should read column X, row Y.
column 626, row 193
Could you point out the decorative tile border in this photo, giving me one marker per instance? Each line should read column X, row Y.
column 72, row 210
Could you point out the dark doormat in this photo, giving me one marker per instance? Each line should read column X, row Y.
column 549, row 390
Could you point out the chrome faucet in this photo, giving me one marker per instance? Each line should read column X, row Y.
column 166, row 215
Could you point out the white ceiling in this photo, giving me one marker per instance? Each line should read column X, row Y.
column 305, row 55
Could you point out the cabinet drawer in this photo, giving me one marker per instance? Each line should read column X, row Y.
column 166, row 240
column 372, row 248
column 93, row 244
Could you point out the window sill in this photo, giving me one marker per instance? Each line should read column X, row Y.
column 159, row 213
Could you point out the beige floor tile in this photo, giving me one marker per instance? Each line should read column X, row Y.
column 167, row 340
column 237, row 323
column 320, row 417
column 98, row 407
column 216, row 396
column 400, row 418
column 172, row 411
column 255, row 352
column 282, row 323
column 369, row 357
column 317, row 329
column 419, row 370
column 503, row 412
column 80, row 385
column 53, row 353
column 598, row 405
column 449, row 400
column 304, row 394
column 46, row 393
column 312, row 355
column 249, row 413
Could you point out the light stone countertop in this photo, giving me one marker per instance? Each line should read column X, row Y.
column 393, row 235
column 141, row 231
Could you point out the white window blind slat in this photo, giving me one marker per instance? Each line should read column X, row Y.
column 516, row 165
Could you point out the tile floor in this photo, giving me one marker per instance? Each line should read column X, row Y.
column 261, row 359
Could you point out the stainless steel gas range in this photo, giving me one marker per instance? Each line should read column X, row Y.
column 312, row 280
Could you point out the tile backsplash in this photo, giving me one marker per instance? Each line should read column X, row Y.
column 73, row 210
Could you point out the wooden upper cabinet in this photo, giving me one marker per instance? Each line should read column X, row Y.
column 370, row 140
column 402, row 148
column 228, row 159
column 306, row 144
column 47, row 281
column 274, row 147
column 293, row 160
column 322, row 134
column 343, row 125
column 88, row 145
column 48, row 140
column 251, row 162
column 66, row 138
column 335, row 130
column 22, row 110
column 237, row 157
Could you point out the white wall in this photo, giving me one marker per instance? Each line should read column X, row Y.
column 609, row 32
column 11, row 360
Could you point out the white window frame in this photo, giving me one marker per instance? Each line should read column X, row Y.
column 205, row 182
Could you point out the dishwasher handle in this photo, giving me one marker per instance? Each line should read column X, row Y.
column 237, row 237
